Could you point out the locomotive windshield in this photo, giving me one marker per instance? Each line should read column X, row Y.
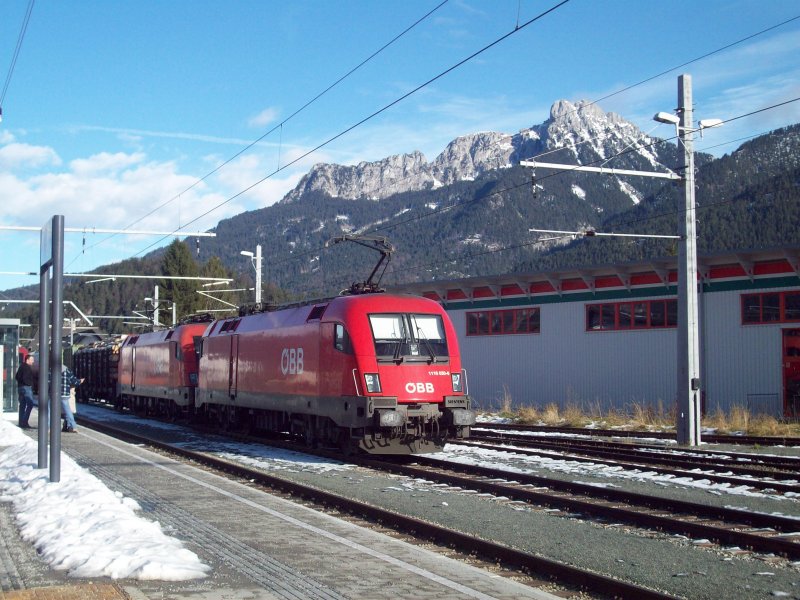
column 400, row 337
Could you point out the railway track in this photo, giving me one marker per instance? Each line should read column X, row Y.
column 748, row 440
column 753, row 477
column 724, row 526
column 759, row 465
column 568, row 575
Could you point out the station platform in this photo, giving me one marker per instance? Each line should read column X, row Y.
column 258, row 546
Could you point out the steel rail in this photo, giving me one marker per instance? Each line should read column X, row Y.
column 758, row 484
column 788, row 463
column 751, row 440
column 653, row 520
column 635, row 456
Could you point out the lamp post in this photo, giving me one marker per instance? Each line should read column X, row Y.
column 688, row 388
column 688, row 423
column 154, row 302
column 255, row 259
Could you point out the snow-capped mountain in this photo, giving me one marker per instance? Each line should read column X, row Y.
column 581, row 129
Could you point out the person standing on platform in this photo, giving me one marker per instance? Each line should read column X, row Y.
column 68, row 381
column 25, row 379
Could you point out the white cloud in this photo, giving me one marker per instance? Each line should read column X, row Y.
column 15, row 155
column 247, row 170
column 264, row 118
column 105, row 162
column 138, row 134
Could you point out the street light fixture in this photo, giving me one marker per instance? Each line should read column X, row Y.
column 665, row 117
column 255, row 260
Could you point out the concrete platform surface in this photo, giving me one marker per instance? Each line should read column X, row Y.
column 259, row 546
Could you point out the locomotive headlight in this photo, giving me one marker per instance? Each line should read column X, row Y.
column 457, row 382
column 373, row 383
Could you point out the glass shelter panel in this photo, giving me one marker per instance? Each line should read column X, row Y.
column 9, row 361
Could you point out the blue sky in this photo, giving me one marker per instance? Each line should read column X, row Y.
column 117, row 107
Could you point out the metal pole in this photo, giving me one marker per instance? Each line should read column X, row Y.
column 155, row 309
column 44, row 364
column 688, row 336
column 258, row 273
column 56, row 335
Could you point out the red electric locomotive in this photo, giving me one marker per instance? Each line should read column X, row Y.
column 376, row 371
column 158, row 370
column 366, row 370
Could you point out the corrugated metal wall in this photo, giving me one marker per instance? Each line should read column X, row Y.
column 742, row 364
column 565, row 364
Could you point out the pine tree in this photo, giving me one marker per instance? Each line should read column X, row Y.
column 178, row 262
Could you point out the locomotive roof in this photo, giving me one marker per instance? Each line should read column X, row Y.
column 178, row 333
column 336, row 308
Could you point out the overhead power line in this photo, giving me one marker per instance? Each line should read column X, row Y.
column 625, row 89
column 280, row 125
column 16, row 54
column 373, row 115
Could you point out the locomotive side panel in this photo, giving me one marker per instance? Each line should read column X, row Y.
column 253, row 364
column 160, row 366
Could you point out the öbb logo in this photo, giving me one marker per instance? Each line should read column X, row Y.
column 419, row 387
column 292, row 361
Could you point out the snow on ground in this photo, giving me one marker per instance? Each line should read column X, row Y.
column 517, row 463
column 258, row 456
column 81, row 526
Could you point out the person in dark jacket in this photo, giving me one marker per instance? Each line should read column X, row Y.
column 25, row 378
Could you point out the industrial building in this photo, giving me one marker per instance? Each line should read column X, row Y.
column 606, row 336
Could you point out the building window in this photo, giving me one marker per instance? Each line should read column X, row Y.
column 617, row 316
column 503, row 322
column 770, row 307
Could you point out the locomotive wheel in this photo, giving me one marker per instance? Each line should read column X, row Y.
column 173, row 411
column 345, row 444
column 311, row 432
column 227, row 418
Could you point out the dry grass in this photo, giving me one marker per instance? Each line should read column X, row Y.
column 506, row 408
column 739, row 419
column 638, row 416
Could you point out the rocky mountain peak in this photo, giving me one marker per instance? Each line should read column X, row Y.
column 581, row 127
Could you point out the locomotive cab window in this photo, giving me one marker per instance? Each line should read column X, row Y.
column 412, row 337
column 341, row 339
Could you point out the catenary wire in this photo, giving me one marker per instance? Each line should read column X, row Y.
column 366, row 119
column 629, row 87
column 518, row 26
column 596, row 101
column 280, row 125
column 21, row 37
